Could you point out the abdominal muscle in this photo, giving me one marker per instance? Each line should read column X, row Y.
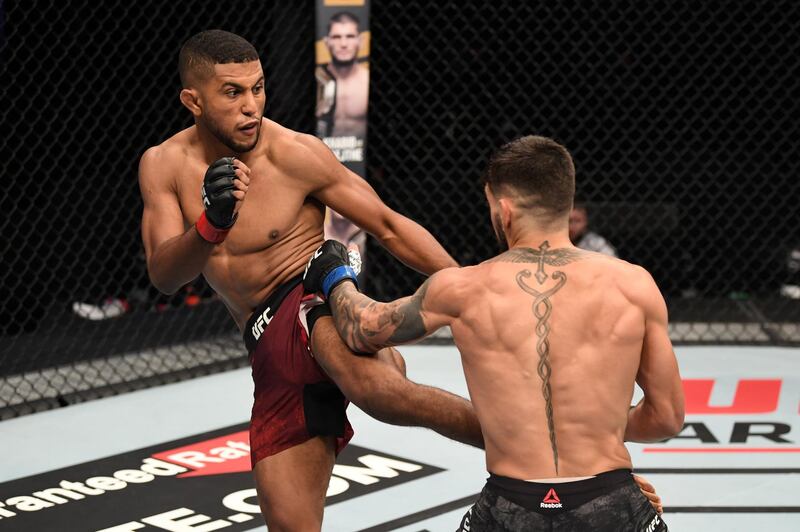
column 244, row 280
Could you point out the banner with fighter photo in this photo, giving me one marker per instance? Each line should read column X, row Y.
column 342, row 73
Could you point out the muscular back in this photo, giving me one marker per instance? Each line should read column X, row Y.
column 551, row 341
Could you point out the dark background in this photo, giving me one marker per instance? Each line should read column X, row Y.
column 682, row 118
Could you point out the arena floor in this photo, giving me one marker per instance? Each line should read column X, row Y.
column 169, row 458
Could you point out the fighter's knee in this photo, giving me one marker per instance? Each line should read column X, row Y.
column 399, row 361
column 393, row 358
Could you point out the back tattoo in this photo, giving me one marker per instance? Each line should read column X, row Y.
column 542, row 309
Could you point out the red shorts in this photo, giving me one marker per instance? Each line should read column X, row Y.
column 294, row 400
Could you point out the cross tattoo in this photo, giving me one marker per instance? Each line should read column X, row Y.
column 541, row 277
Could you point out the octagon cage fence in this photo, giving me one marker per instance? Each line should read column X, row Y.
column 682, row 118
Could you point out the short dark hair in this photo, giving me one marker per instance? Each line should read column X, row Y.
column 537, row 172
column 343, row 16
column 202, row 51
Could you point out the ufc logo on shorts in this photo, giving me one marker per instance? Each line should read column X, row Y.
column 261, row 323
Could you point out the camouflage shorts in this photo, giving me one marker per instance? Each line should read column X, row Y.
column 623, row 508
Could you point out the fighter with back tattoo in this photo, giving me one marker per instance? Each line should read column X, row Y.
column 552, row 340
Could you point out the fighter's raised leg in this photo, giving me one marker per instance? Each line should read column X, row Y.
column 378, row 387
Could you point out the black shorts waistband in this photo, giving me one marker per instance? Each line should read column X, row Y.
column 548, row 498
column 264, row 312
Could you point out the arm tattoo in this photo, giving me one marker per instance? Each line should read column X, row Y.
column 367, row 325
column 542, row 309
column 408, row 319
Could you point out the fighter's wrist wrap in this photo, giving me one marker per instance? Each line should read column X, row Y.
column 336, row 276
column 208, row 232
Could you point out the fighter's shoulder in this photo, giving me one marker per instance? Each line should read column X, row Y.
column 453, row 277
column 625, row 272
column 162, row 159
column 295, row 152
column 635, row 275
column 447, row 289
column 640, row 287
column 457, row 282
column 288, row 146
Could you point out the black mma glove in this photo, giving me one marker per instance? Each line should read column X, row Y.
column 218, row 200
column 328, row 266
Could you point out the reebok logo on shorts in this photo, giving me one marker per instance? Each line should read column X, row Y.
column 551, row 500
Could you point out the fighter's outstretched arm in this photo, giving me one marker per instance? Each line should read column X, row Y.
column 367, row 325
column 352, row 197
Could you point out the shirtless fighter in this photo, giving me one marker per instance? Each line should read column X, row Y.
column 240, row 199
column 552, row 339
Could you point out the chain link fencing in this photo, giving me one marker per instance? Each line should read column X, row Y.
column 89, row 87
column 681, row 116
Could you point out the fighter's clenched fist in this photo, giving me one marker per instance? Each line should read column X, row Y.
column 224, row 188
column 327, row 267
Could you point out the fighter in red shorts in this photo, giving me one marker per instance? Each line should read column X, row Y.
column 241, row 200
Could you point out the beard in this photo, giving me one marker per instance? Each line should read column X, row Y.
column 228, row 140
column 502, row 241
column 343, row 63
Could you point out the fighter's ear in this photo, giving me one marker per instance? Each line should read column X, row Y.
column 488, row 193
column 507, row 211
column 190, row 98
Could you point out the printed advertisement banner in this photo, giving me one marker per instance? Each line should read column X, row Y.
column 342, row 75
column 198, row 483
